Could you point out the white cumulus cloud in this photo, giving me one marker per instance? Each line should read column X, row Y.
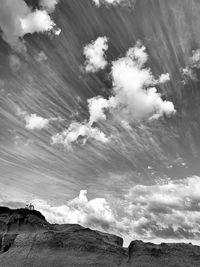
column 97, row 107
column 17, row 19
column 164, row 78
column 33, row 121
column 89, row 213
column 78, row 133
column 134, row 86
column 50, row 5
column 95, row 54
column 134, row 96
column 37, row 21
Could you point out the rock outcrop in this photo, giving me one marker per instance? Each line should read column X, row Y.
column 166, row 254
column 27, row 239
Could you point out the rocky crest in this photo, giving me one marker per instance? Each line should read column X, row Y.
column 27, row 239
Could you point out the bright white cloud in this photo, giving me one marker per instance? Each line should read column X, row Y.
column 37, row 21
column 78, row 133
column 97, row 107
column 34, row 122
column 134, row 87
column 110, row 2
column 18, row 19
column 164, row 78
column 89, row 213
column 134, row 97
column 134, row 91
column 50, row 5
column 95, row 54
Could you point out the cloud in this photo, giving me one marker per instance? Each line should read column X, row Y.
column 110, row 2
column 14, row 62
column 164, row 78
column 37, row 21
column 41, row 57
column 17, row 19
column 97, row 107
column 50, row 5
column 134, row 91
column 134, row 96
column 33, row 121
column 94, row 213
column 170, row 210
column 78, row 133
column 95, row 54
column 194, row 60
column 190, row 72
column 134, row 87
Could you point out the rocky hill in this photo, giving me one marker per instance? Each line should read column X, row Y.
column 27, row 239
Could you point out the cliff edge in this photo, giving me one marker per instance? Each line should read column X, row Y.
column 27, row 239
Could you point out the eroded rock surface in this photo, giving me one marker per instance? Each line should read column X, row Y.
column 27, row 239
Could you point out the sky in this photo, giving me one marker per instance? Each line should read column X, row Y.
column 99, row 114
